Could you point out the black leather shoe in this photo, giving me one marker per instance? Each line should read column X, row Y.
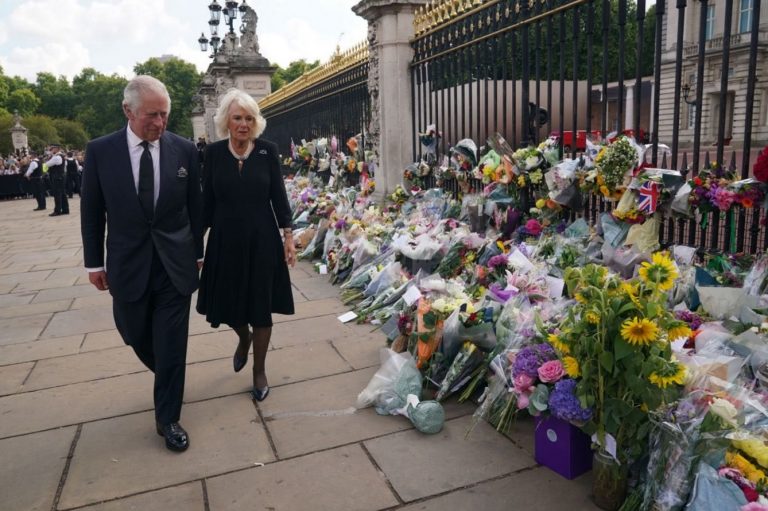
column 54, row 214
column 239, row 362
column 260, row 394
column 39, row 209
column 176, row 439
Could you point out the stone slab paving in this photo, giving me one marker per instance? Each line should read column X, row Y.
column 31, row 469
column 27, row 328
column 70, row 387
column 124, row 455
column 186, row 497
column 333, row 480
column 97, row 365
column 40, row 349
column 31, row 309
column 13, row 376
column 535, row 489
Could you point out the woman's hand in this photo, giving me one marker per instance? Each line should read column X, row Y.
column 290, row 251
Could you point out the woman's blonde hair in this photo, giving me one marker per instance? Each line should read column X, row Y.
column 240, row 98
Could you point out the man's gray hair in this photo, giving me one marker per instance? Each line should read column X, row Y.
column 246, row 101
column 140, row 86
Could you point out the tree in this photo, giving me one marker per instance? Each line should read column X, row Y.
column 23, row 100
column 294, row 70
column 182, row 80
column 6, row 123
column 42, row 132
column 72, row 135
column 56, row 96
column 97, row 101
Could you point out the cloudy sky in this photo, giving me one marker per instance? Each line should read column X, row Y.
column 64, row 36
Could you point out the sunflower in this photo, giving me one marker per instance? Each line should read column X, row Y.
column 571, row 366
column 660, row 272
column 679, row 331
column 592, row 317
column 579, row 298
column 558, row 344
column 639, row 331
column 674, row 374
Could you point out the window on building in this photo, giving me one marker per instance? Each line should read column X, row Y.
column 745, row 16
column 691, row 116
column 710, row 31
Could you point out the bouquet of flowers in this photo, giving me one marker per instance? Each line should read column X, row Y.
column 614, row 165
column 617, row 339
column 760, row 170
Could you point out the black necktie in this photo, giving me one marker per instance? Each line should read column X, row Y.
column 147, row 182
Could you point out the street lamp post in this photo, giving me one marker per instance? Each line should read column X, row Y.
column 230, row 11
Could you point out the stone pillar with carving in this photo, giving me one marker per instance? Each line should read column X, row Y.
column 237, row 63
column 390, row 29
column 19, row 135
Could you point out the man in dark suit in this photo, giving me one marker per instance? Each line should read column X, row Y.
column 142, row 184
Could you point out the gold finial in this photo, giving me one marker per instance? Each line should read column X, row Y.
column 477, row 3
column 460, row 6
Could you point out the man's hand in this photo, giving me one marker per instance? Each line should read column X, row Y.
column 99, row 279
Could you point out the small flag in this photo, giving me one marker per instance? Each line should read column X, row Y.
column 294, row 152
column 650, row 191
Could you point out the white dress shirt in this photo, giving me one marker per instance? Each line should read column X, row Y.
column 31, row 168
column 135, row 150
column 55, row 160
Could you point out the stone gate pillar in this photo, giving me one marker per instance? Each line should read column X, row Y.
column 390, row 29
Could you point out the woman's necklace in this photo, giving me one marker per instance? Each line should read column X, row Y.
column 240, row 157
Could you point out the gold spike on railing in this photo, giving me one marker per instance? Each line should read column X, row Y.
column 339, row 61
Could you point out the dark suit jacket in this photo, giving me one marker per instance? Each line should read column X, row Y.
column 109, row 199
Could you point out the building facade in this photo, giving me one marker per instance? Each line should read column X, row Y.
column 710, row 81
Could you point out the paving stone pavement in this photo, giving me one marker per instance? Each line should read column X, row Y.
column 76, row 424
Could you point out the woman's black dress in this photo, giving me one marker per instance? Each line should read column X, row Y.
column 245, row 277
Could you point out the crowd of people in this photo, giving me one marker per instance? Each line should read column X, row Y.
column 53, row 173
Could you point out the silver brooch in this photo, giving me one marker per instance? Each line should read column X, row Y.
column 262, row 151
column 182, row 172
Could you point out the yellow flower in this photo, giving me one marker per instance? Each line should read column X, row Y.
column 746, row 467
column 660, row 272
column 679, row 331
column 755, row 448
column 541, row 203
column 571, row 366
column 639, row 331
column 605, row 191
column 521, row 181
column 579, row 298
column 558, row 344
column 632, row 292
column 676, row 376
column 592, row 317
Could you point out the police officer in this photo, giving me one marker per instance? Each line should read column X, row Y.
column 35, row 174
column 73, row 175
column 56, row 172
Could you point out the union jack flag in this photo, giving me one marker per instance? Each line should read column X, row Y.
column 650, row 191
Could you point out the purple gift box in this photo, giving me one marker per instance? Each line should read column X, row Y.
column 562, row 447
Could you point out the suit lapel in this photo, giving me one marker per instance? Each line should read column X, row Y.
column 168, row 169
column 123, row 171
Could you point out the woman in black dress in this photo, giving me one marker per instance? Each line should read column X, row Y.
column 245, row 274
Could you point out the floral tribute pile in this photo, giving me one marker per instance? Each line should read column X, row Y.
column 502, row 302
